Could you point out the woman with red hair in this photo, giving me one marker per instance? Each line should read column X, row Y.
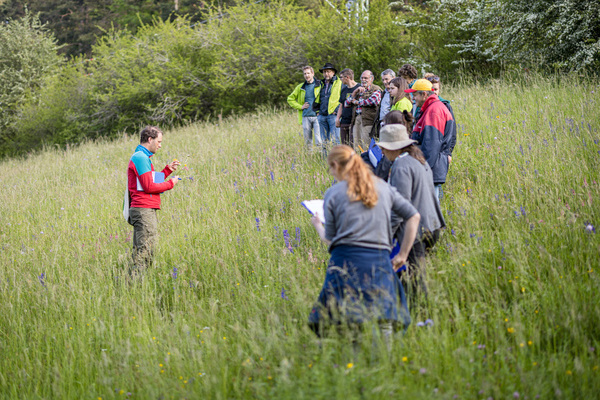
column 361, row 284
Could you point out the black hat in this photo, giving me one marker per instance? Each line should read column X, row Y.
column 328, row 66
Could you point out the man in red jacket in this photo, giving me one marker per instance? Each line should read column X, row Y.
column 145, row 186
column 434, row 131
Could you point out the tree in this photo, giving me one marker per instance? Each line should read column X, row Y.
column 28, row 54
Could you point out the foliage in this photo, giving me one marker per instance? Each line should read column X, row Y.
column 513, row 282
column 27, row 57
column 174, row 72
column 77, row 23
column 486, row 36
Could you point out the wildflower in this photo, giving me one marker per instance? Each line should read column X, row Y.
column 349, row 365
column 422, row 371
column 404, row 359
column 41, row 278
column 257, row 224
column 297, row 235
column 510, row 330
column 420, row 323
column 569, row 372
column 516, row 395
column 590, row 228
column 529, row 342
column 174, row 274
column 429, row 322
column 272, row 176
column 283, row 295
column 286, row 237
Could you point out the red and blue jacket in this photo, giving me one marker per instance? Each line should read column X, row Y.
column 435, row 133
column 141, row 170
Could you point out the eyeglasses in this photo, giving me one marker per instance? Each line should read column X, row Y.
column 434, row 79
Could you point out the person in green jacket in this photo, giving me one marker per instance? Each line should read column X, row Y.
column 302, row 99
column 327, row 102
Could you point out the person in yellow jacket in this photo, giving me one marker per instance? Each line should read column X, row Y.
column 302, row 99
column 328, row 100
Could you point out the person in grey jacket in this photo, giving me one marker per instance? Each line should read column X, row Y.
column 411, row 175
column 360, row 283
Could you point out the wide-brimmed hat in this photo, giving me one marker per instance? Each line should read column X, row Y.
column 394, row 137
column 420, row 84
column 328, row 66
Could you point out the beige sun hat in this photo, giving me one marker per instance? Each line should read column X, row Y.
column 394, row 137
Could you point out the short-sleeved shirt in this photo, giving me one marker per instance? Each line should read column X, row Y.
column 352, row 223
column 346, row 111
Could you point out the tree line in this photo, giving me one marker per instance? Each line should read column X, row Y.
column 62, row 81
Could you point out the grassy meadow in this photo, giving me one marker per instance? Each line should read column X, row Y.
column 513, row 283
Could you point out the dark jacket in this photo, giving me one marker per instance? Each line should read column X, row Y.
column 435, row 133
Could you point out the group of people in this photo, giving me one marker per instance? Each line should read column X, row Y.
column 375, row 203
column 372, row 205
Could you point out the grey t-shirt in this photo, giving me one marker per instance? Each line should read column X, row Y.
column 414, row 181
column 351, row 223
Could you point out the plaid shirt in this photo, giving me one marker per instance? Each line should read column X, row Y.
column 373, row 100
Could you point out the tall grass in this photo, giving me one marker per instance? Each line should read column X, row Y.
column 513, row 283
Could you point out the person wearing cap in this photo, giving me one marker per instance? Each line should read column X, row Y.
column 360, row 283
column 411, row 175
column 366, row 99
column 434, row 131
column 327, row 102
column 302, row 99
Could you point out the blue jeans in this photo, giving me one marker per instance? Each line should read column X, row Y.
column 328, row 129
column 439, row 192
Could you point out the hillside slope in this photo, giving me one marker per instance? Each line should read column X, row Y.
column 513, row 283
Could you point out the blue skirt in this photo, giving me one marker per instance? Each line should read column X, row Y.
column 360, row 285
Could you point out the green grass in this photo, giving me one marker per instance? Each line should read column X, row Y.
column 513, row 283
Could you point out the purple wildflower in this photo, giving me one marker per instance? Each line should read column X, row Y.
column 174, row 274
column 516, row 395
column 286, row 237
column 420, row 323
column 41, row 278
column 590, row 228
column 283, row 295
column 257, row 224
column 422, row 371
column 297, row 235
column 429, row 322
column 523, row 212
column 272, row 176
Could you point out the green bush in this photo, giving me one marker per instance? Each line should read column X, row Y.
column 171, row 73
column 27, row 57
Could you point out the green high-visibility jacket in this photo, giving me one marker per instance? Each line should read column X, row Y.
column 334, row 98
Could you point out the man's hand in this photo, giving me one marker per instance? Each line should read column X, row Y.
column 173, row 165
column 358, row 91
column 305, row 105
column 175, row 179
column 449, row 159
column 337, row 123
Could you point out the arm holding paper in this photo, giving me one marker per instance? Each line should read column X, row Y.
column 149, row 186
column 318, row 224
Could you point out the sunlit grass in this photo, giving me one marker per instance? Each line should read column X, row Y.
column 513, row 284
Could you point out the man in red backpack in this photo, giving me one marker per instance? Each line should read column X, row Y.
column 434, row 131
